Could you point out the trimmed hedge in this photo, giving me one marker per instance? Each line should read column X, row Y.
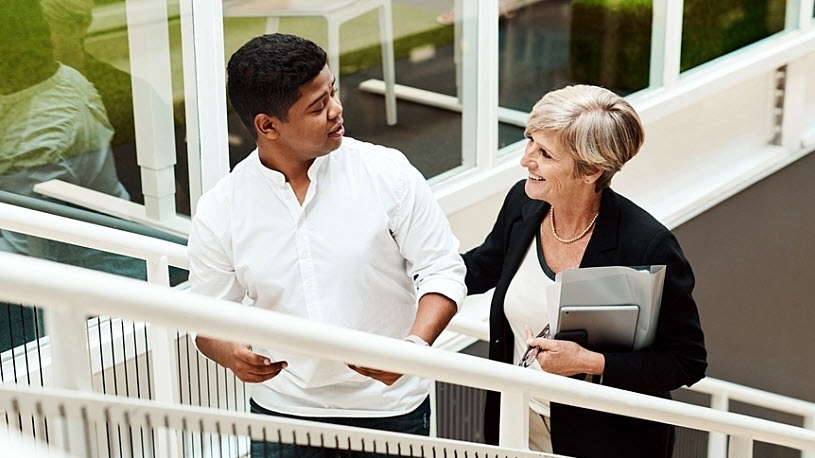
column 611, row 39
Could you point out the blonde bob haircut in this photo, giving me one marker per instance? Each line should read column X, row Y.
column 597, row 127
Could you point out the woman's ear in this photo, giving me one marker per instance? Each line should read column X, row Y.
column 593, row 176
column 266, row 126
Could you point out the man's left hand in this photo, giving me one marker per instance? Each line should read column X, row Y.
column 388, row 378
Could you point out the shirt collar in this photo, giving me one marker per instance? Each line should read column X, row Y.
column 278, row 178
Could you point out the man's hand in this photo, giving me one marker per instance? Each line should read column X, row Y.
column 247, row 365
column 566, row 358
column 388, row 378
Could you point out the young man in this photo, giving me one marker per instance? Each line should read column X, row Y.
column 326, row 228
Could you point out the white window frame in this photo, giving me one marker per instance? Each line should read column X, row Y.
column 486, row 170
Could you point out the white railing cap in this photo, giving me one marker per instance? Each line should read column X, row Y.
column 43, row 283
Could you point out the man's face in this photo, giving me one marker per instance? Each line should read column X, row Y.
column 315, row 125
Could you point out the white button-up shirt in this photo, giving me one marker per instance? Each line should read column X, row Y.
column 367, row 242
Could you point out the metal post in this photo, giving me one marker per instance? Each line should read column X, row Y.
column 165, row 375
column 71, row 369
column 434, row 419
column 514, row 431
column 809, row 423
column 740, row 447
column 717, row 442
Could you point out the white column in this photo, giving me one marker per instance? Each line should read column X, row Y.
column 165, row 369
column 388, row 64
column 805, row 18
column 71, row 368
column 740, row 447
column 479, row 87
column 205, row 92
column 717, row 442
column 514, row 419
column 666, row 42
column 149, row 42
column 798, row 15
column 809, row 423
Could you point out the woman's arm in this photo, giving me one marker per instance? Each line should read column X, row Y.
column 678, row 356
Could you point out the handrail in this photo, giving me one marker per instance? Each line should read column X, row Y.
column 80, row 291
column 708, row 385
column 61, row 229
column 42, row 224
column 79, row 214
column 754, row 396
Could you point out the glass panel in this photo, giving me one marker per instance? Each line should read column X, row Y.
column 66, row 112
column 550, row 44
column 713, row 29
column 424, row 59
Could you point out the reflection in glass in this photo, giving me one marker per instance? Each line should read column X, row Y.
column 545, row 45
column 53, row 124
column 711, row 29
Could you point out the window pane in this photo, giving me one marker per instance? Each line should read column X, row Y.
column 424, row 59
column 711, row 29
column 545, row 45
column 66, row 113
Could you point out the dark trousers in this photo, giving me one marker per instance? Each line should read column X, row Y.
column 415, row 422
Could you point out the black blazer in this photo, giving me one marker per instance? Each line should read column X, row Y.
column 625, row 235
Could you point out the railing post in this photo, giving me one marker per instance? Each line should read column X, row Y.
column 740, row 447
column 434, row 419
column 717, row 442
column 71, row 368
column 165, row 373
column 809, row 423
column 514, row 431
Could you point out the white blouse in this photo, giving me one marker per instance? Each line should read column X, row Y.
column 531, row 300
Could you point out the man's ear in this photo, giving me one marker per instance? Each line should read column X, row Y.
column 267, row 126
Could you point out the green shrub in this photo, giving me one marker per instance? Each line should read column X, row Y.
column 611, row 39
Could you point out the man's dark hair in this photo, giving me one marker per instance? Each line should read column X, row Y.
column 265, row 75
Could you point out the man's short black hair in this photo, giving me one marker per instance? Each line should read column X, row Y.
column 265, row 75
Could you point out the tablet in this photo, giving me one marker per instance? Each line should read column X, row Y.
column 606, row 325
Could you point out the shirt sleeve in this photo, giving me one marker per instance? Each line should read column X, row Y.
column 211, row 271
column 426, row 240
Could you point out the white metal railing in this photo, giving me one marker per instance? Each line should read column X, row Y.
column 721, row 393
column 203, row 430
column 76, row 292
column 70, row 369
column 152, row 250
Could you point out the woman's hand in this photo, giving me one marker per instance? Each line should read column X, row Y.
column 566, row 358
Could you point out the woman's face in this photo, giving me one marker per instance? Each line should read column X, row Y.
column 550, row 170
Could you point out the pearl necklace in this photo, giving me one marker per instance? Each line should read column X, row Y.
column 573, row 239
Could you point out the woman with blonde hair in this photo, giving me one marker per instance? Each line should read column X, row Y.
column 565, row 216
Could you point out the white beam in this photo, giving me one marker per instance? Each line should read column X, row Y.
column 666, row 42
column 207, row 77
column 149, row 43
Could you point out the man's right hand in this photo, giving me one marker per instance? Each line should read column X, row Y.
column 247, row 365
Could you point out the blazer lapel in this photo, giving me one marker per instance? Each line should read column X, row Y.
column 523, row 232
column 601, row 247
